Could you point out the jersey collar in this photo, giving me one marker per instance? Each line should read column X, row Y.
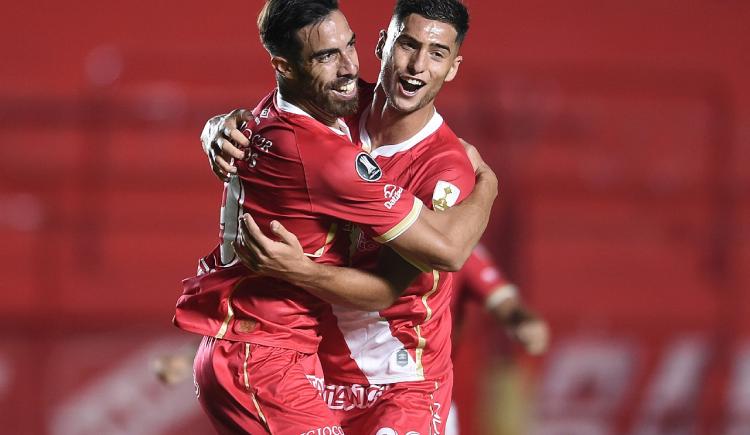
column 390, row 150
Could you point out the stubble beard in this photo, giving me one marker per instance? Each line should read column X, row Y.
column 322, row 98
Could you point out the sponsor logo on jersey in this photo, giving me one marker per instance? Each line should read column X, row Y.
column 367, row 167
column 445, row 195
column 392, row 194
column 402, row 357
column 258, row 142
column 386, row 431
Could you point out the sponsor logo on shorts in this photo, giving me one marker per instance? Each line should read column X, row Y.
column 328, row 430
column 437, row 422
column 348, row 397
column 367, row 167
column 392, row 194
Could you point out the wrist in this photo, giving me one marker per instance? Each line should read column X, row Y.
column 309, row 274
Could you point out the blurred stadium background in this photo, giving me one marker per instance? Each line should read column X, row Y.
column 620, row 132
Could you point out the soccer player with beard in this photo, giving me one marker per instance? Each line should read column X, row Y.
column 261, row 334
column 387, row 370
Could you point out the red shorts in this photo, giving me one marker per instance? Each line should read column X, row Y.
column 252, row 389
column 403, row 408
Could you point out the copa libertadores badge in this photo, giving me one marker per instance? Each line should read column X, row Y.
column 367, row 167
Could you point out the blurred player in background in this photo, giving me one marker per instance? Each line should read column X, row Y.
column 482, row 282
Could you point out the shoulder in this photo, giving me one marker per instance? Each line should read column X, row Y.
column 444, row 152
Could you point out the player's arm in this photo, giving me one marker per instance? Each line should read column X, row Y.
column 434, row 240
column 443, row 240
column 523, row 324
column 484, row 282
column 283, row 258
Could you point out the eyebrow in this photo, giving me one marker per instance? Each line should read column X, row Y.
column 333, row 50
column 432, row 45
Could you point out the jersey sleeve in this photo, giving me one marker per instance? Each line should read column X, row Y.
column 482, row 280
column 348, row 184
column 448, row 179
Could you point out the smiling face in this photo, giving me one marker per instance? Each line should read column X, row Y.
column 417, row 56
column 327, row 69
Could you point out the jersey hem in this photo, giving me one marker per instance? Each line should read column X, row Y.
column 386, row 380
column 267, row 343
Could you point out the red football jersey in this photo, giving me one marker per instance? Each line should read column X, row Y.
column 311, row 178
column 410, row 340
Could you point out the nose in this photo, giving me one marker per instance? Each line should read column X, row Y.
column 349, row 65
column 417, row 62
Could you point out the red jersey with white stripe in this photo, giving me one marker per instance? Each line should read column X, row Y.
column 309, row 177
column 409, row 341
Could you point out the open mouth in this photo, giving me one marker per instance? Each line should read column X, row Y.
column 346, row 89
column 410, row 86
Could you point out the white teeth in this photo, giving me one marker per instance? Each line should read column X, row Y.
column 415, row 82
column 349, row 87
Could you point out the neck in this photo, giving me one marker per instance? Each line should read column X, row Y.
column 387, row 126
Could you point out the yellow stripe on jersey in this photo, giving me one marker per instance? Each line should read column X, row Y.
column 230, row 315
column 260, row 412
column 402, row 226
column 435, row 282
column 244, row 365
column 421, row 341
column 423, row 267
column 421, row 344
column 247, row 386
column 329, row 238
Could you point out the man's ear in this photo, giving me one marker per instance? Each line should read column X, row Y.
column 381, row 45
column 282, row 66
column 454, row 68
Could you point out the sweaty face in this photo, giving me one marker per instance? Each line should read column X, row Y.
column 418, row 56
column 328, row 68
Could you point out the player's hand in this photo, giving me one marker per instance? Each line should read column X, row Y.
column 173, row 368
column 529, row 330
column 481, row 168
column 477, row 163
column 282, row 258
column 223, row 141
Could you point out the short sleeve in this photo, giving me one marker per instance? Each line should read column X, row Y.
column 447, row 180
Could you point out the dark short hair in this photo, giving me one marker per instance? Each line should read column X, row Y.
column 279, row 21
column 452, row 12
